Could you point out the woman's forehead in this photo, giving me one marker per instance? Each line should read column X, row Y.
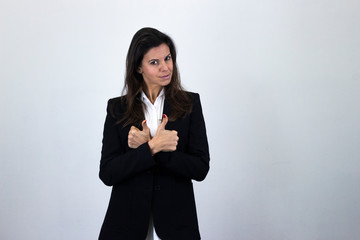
column 158, row 52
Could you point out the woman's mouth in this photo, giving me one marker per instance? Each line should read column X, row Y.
column 165, row 76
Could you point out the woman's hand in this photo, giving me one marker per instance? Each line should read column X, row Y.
column 137, row 137
column 164, row 140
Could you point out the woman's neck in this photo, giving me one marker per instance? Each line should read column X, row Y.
column 152, row 94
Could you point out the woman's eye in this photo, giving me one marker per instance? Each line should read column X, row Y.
column 168, row 58
column 154, row 62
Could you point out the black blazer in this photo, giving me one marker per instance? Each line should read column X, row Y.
column 160, row 185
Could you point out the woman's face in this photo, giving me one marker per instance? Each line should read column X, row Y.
column 157, row 67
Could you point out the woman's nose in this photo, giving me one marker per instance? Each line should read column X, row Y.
column 164, row 67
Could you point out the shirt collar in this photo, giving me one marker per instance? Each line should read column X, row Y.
column 145, row 98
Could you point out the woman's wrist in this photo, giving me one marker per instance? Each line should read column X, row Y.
column 152, row 147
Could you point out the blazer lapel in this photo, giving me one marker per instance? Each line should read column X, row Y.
column 167, row 111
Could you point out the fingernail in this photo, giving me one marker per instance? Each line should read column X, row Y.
column 164, row 116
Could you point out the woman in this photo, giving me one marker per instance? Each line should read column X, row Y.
column 151, row 170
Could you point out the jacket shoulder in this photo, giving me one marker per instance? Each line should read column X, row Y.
column 193, row 96
column 116, row 100
column 116, row 106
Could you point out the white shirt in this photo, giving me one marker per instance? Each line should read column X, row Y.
column 153, row 115
column 153, row 112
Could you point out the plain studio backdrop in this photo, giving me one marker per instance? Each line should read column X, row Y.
column 280, row 87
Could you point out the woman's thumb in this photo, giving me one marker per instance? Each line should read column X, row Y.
column 145, row 126
column 164, row 121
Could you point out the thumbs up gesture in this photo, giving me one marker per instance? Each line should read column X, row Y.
column 163, row 140
column 137, row 137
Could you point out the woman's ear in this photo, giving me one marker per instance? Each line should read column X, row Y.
column 139, row 70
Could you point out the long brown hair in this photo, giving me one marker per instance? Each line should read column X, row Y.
column 142, row 42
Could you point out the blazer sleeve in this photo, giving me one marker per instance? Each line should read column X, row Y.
column 119, row 162
column 194, row 161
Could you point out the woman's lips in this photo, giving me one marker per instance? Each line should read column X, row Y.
column 165, row 76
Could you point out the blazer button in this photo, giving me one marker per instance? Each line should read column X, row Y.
column 157, row 188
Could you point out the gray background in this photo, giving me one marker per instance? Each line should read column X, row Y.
column 279, row 82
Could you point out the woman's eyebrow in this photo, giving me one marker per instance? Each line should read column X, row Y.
column 153, row 59
column 156, row 59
